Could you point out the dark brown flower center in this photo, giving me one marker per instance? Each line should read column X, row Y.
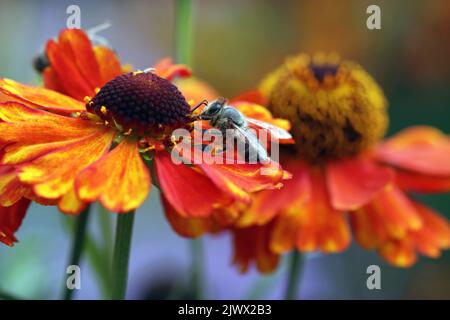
column 140, row 100
column 322, row 70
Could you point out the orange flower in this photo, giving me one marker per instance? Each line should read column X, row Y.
column 59, row 150
column 341, row 170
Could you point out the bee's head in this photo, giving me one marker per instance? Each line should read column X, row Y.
column 213, row 108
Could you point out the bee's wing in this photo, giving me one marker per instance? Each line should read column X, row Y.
column 275, row 131
column 255, row 149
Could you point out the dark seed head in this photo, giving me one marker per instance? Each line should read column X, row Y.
column 140, row 101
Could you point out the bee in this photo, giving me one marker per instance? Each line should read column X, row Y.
column 227, row 119
column 40, row 61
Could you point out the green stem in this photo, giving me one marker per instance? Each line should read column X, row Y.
column 121, row 257
column 77, row 247
column 184, row 34
column 8, row 296
column 294, row 275
column 196, row 268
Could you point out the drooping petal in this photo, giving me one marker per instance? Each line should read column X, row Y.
column 368, row 227
column 397, row 228
column 354, row 181
column 119, row 179
column 71, row 204
column 11, row 190
column 423, row 183
column 399, row 253
column 191, row 193
column 375, row 230
column 76, row 44
column 434, row 235
column 108, row 63
column 10, row 220
column 251, row 245
column 28, row 125
column 314, row 226
column 240, row 179
column 285, row 230
column 396, row 211
column 267, row 204
column 422, row 149
column 52, row 175
column 186, row 226
column 40, row 98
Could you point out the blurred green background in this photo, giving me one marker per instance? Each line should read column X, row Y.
column 236, row 44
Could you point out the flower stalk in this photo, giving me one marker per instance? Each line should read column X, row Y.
column 196, row 268
column 121, row 257
column 77, row 247
column 184, row 34
column 295, row 264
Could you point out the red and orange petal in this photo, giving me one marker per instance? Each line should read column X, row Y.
column 393, row 211
column 422, row 183
column 252, row 244
column 76, row 67
column 53, row 174
column 167, row 70
column 353, row 182
column 11, row 190
column 316, row 225
column 40, row 98
column 424, row 150
column 186, row 226
column 119, row 179
column 73, row 60
column 398, row 228
column 187, row 190
column 239, row 180
column 429, row 240
column 25, row 126
column 108, row 63
column 196, row 90
column 267, row 204
column 49, row 150
column 434, row 235
column 10, row 220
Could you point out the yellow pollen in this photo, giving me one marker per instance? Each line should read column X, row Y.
column 87, row 99
column 103, row 110
column 137, row 72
